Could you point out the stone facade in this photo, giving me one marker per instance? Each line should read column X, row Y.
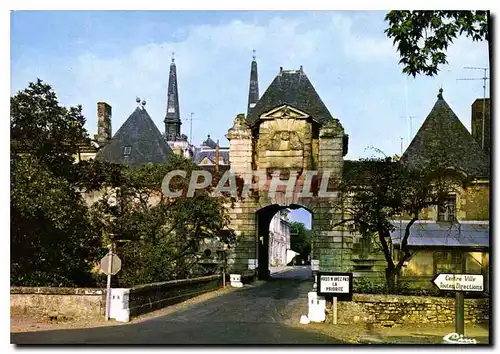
column 394, row 310
column 287, row 141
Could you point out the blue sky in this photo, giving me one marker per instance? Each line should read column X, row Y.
column 301, row 215
column 115, row 56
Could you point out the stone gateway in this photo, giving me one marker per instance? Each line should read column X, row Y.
column 288, row 131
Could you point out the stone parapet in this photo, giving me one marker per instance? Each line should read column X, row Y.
column 395, row 310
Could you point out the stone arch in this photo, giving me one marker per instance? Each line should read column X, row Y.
column 263, row 217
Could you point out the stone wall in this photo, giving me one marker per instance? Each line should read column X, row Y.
column 394, row 310
column 150, row 297
column 68, row 302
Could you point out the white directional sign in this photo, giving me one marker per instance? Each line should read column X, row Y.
column 459, row 282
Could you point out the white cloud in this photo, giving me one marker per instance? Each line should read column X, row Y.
column 355, row 71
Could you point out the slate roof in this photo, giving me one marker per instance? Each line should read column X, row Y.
column 199, row 155
column 443, row 235
column 145, row 140
column 443, row 138
column 210, row 143
column 291, row 87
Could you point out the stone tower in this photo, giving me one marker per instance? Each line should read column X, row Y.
column 172, row 118
column 288, row 132
column 253, row 90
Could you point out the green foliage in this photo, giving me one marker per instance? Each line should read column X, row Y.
column 53, row 241
column 380, row 190
column 163, row 234
column 423, row 37
column 365, row 286
column 300, row 240
column 56, row 239
column 41, row 127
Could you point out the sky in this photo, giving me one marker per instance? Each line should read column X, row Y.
column 301, row 215
column 116, row 56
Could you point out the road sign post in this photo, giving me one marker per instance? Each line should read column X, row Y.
column 459, row 300
column 459, row 283
column 108, row 286
column 110, row 265
column 334, row 310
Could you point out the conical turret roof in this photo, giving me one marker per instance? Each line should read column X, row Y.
column 443, row 139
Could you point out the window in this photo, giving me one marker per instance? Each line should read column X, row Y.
column 127, row 150
column 447, row 261
column 448, row 211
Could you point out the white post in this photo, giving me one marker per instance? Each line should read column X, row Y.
column 334, row 310
column 224, row 269
column 108, row 287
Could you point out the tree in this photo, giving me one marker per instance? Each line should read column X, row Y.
column 52, row 238
column 422, row 37
column 300, row 240
column 381, row 190
column 163, row 234
column 52, row 243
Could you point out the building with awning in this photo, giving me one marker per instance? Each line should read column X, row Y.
column 437, row 247
column 468, row 237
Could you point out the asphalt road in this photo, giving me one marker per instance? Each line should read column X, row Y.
column 260, row 313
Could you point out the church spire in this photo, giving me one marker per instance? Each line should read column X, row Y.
column 253, row 91
column 172, row 118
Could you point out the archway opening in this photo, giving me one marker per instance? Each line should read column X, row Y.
column 284, row 241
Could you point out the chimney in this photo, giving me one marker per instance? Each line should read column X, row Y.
column 480, row 123
column 104, row 132
column 217, row 159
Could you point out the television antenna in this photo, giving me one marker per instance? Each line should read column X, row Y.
column 191, row 128
column 484, row 78
column 407, row 116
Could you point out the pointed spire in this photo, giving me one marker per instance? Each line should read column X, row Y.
column 172, row 118
column 253, row 90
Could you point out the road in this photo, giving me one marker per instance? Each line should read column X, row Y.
column 260, row 313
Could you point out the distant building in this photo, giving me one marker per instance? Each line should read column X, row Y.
column 279, row 238
column 178, row 142
column 210, row 154
column 137, row 142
